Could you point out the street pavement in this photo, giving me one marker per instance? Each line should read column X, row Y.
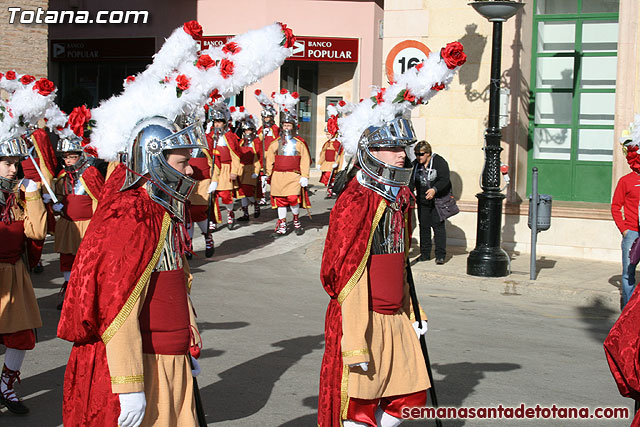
column 261, row 309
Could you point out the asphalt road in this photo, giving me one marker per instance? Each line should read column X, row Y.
column 261, row 310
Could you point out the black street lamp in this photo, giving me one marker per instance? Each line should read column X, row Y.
column 488, row 259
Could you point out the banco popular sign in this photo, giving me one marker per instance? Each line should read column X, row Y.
column 308, row 48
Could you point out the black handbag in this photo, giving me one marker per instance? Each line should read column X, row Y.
column 446, row 206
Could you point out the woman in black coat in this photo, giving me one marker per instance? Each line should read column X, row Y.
column 430, row 180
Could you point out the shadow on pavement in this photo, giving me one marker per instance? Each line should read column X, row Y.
column 460, row 380
column 599, row 319
column 305, row 420
column 245, row 389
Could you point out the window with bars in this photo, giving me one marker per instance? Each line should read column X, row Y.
column 572, row 103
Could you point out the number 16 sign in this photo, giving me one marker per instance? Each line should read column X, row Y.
column 404, row 55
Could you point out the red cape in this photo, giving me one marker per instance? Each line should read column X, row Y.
column 46, row 157
column 119, row 246
column 622, row 348
column 353, row 218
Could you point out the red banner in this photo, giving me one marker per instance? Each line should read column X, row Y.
column 325, row 49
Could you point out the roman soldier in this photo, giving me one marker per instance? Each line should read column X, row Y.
column 78, row 187
column 331, row 155
column 131, row 364
column 205, row 210
column 44, row 156
column 372, row 366
column 267, row 133
column 22, row 221
column 227, row 167
column 250, row 155
column 287, row 165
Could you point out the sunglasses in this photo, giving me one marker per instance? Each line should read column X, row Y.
column 421, row 154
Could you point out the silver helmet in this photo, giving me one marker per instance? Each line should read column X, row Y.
column 288, row 117
column 72, row 144
column 12, row 147
column 379, row 176
column 154, row 137
column 245, row 125
column 268, row 111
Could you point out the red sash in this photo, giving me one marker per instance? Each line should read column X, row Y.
column 201, row 168
column 287, row 164
column 386, row 282
column 330, row 155
column 77, row 207
column 247, row 157
column 224, row 154
column 12, row 238
column 164, row 320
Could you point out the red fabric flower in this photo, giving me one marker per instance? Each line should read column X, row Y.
column 44, row 86
column 232, row 109
column 241, row 109
column 342, row 103
column 437, row 86
column 380, row 95
column 26, row 79
column 226, row 68
column 332, row 125
column 215, row 95
column 283, row 91
column 231, row 48
column 419, row 66
column 633, row 159
column 183, row 82
column 289, row 38
column 78, row 119
column 273, row 94
column 166, row 79
column 11, row 75
column 131, row 79
column 295, row 95
column 258, row 92
column 408, row 96
column 193, row 28
column 205, row 62
column 453, row 55
column 1, row 75
column 91, row 151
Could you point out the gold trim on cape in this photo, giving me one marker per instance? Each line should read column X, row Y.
column 363, row 262
column 142, row 282
column 344, row 396
column 86, row 188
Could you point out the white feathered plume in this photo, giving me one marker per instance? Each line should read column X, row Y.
column 286, row 101
column 30, row 101
column 240, row 114
column 180, row 81
column 265, row 102
column 415, row 86
column 631, row 136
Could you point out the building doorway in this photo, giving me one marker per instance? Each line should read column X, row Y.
column 302, row 77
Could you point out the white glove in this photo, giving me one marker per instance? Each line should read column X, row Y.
column 364, row 366
column 46, row 198
column 29, row 186
column 420, row 330
column 335, row 165
column 132, row 406
column 254, row 175
column 304, row 181
column 57, row 207
column 195, row 370
column 212, row 187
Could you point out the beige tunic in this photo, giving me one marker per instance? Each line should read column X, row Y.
column 222, row 174
column 165, row 379
column 327, row 165
column 69, row 234
column 249, row 170
column 18, row 305
column 287, row 183
column 387, row 342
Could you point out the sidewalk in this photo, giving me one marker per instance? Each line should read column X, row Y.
column 578, row 280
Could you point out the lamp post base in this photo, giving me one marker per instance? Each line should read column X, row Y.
column 488, row 259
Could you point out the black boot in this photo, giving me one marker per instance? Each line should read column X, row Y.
column 256, row 210
column 245, row 214
column 8, row 397
column 209, row 248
